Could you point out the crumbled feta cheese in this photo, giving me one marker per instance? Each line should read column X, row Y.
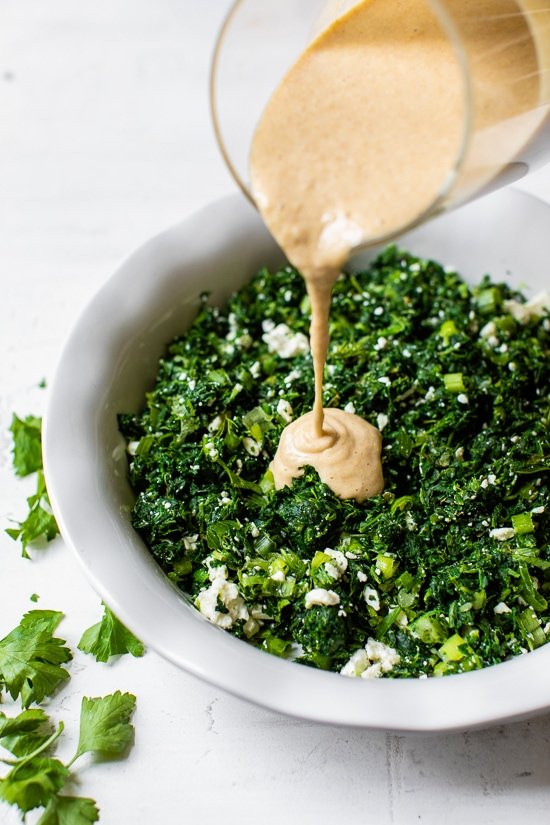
column 410, row 523
column 278, row 576
column 254, row 532
column 190, row 542
column 462, row 398
column 372, row 598
column 287, row 344
column 293, row 375
column 361, row 576
column 501, row 607
column 488, row 330
column 255, row 370
column 534, row 308
column 371, row 662
column 381, row 421
column 285, row 410
column 379, row 311
column 210, row 450
column 385, row 380
column 381, row 343
column 350, row 407
column 430, row 395
column 321, row 596
column 340, row 565
column 502, row 533
column 131, row 447
column 215, row 424
column 251, row 446
column 538, row 510
column 227, row 593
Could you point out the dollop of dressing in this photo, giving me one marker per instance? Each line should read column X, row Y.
column 346, row 455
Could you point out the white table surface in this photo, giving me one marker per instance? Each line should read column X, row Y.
column 105, row 139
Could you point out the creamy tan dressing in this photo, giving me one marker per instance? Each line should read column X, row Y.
column 357, row 142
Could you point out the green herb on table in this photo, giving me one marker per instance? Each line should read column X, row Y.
column 31, row 657
column 36, row 777
column 40, row 522
column 109, row 637
column 449, row 569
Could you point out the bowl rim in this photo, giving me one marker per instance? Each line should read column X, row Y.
column 92, row 524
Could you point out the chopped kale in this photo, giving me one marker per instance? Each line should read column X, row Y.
column 450, row 566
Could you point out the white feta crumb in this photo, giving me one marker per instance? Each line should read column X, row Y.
column 538, row 510
column 381, row 421
column 190, row 542
column 459, row 453
column 338, row 566
column 361, row 576
column 372, row 598
column 462, row 398
column 501, row 607
column 255, row 370
column 381, row 343
column 285, row 410
column 488, row 330
column 254, row 532
column 320, row 596
column 350, row 407
column 350, row 555
column 292, row 376
column 210, row 450
column 502, row 533
column 385, row 380
column 534, row 308
column 215, row 424
column 287, row 344
column 410, row 523
column 430, row 395
column 278, row 576
column 251, row 446
column 379, row 311
column 192, row 384
column 371, row 662
column 227, row 593
column 131, row 447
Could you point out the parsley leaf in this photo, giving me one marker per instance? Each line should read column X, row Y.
column 31, row 657
column 105, row 726
column 23, row 734
column 69, row 810
column 40, row 522
column 109, row 637
column 32, row 783
column 27, row 444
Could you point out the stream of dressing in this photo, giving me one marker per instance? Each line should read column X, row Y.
column 356, row 142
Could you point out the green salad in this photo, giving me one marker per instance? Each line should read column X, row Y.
column 448, row 570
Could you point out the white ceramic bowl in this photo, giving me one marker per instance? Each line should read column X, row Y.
column 108, row 363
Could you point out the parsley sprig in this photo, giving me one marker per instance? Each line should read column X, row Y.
column 31, row 657
column 40, row 522
column 36, row 777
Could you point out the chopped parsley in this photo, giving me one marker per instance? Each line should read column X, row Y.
column 40, row 522
column 449, row 569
